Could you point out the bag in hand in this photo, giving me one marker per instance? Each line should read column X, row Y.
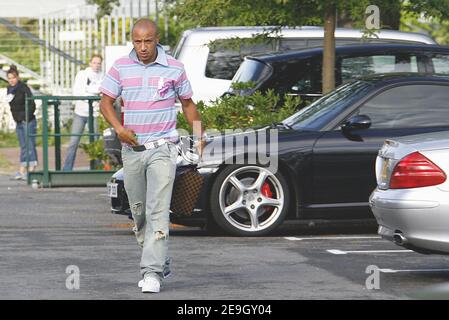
column 186, row 189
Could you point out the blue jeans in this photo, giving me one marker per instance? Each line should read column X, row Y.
column 78, row 125
column 149, row 177
column 21, row 129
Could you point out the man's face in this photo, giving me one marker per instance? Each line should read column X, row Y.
column 95, row 64
column 12, row 79
column 145, row 40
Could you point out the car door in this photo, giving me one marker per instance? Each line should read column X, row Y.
column 343, row 161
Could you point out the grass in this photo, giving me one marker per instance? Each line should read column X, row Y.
column 8, row 140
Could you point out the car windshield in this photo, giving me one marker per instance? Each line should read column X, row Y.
column 315, row 116
column 251, row 71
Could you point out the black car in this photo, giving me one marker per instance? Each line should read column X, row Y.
column 299, row 72
column 325, row 156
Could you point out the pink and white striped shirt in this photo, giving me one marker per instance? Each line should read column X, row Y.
column 149, row 93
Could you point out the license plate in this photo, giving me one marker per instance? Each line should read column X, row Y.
column 112, row 189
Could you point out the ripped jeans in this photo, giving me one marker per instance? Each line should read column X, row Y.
column 149, row 177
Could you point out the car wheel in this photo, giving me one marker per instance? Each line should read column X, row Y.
column 249, row 200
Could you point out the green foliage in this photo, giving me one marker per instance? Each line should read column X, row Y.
column 105, row 7
column 243, row 85
column 19, row 48
column 194, row 13
column 435, row 27
column 428, row 8
column 8, row 139
column 95, row 150
column 241, row 112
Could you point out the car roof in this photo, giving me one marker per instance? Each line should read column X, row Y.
column 204, row 35
column 348, row 49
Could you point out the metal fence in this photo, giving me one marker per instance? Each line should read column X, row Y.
column 58, row 177
column 70, row 37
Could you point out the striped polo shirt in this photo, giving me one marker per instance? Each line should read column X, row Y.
column 149, row 93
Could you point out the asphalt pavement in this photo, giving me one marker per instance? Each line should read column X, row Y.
column 51, row 238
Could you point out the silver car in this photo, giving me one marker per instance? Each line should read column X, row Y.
column 411, row 201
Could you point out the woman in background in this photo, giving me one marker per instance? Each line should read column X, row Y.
column 17, row 91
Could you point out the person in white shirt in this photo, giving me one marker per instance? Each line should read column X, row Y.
column 87, row 83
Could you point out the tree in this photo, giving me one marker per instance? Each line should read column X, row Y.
column 194, row 13
column 105, row 7
column 275, row 12
column 330, row 18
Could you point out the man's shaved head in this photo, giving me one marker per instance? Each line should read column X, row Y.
column 145, row 24
column 145, row 36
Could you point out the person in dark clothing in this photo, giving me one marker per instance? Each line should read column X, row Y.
column 17, row 91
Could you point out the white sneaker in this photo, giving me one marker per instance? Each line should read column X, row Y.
column 165, row 273
column 151, row 284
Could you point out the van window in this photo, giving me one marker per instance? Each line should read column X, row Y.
column 301, row 43
column 441, row 64
column 252, row 71
column 226, row 55
column 297, row 77
column 352, row 67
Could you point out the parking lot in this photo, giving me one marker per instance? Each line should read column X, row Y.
column 45, row 233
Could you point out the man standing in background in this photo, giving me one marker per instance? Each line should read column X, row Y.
column 87, row 83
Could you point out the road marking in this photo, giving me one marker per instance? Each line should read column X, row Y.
column 336, row 251
column 330, row 238
column 416, row 270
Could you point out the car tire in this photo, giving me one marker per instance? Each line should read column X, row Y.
column 249, row 200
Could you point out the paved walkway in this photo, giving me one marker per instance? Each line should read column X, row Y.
column 11, row 155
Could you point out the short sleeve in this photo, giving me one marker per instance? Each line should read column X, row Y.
column 110, row 85
column 183, row 88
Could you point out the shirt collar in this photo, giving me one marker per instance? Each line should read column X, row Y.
column 160, row 59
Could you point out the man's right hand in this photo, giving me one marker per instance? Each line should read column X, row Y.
column 127, row 136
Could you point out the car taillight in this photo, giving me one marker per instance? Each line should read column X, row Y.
column 414, row 171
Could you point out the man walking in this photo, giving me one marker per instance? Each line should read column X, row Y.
column 149, row 82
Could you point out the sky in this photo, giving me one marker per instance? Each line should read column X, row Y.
column 34, row 8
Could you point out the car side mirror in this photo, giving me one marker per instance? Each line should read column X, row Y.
column 357, row 122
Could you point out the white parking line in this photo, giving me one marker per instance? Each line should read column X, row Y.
column 336, row 251
column 331, row 238
column 411, row 270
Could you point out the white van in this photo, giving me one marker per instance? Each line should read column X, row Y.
column 211, row 66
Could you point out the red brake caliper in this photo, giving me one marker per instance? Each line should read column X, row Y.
column 266, row 191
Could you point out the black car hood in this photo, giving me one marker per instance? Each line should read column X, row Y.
column 269, row 141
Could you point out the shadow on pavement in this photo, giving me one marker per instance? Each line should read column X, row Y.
column 294, row 229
